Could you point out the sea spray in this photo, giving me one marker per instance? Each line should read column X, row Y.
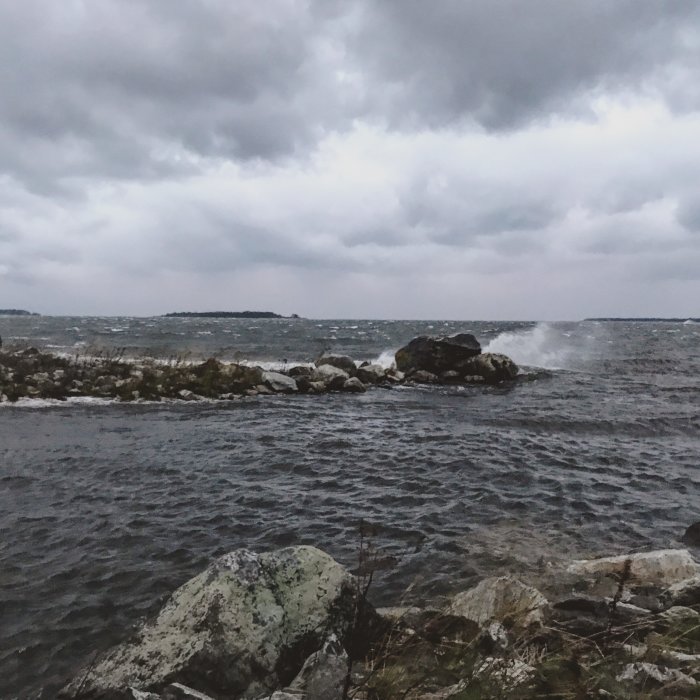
column 548, row 346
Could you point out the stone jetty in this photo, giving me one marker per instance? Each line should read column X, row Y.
column 31, row 373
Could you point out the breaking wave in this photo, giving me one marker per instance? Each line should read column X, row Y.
column 546, row 346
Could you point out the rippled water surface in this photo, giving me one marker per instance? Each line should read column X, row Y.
column 105, row 508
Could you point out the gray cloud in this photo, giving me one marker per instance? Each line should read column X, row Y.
column 235, row 146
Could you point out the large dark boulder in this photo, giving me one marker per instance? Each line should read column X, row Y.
column 438, row 355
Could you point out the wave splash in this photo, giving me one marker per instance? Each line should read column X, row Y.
column 544, row 346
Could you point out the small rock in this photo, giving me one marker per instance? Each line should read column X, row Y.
column 683, row 593
column 509, row 673
column 347, row 364
column 300, row 371
column 142, row 695
column 677, row 613
column 450, row 377
column 279, row 382
column 692, row 535
column 422, row 376
column 331, row 376
column 322, row 677
column 492, row 367
column 371, row 374
column 664, row 567
column 354, row 386
column 501, row 599
column 177, row 691
column 186, row 395
column 641, row 673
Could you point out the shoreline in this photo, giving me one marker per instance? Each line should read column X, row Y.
column 620, row 626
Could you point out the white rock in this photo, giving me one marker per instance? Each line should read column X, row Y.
column 279, row 382
column 498, row 599
column 664, row 567
column 641, row 672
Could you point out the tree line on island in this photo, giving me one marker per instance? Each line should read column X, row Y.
column 226, row 314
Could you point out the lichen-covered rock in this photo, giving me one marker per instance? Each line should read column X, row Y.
column 347, row 364
column 279, row 382
column 437, row 355
column 663, row 567
column 241, row 627
column 501, row 599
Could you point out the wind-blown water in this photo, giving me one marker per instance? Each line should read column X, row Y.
column 107, row 507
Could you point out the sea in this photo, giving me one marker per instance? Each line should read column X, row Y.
column 107, row 507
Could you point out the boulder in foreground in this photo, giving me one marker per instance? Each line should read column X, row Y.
column 241, row 628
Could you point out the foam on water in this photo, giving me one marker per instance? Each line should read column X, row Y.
column 385, row 359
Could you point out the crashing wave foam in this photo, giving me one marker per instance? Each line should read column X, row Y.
column 544, row 346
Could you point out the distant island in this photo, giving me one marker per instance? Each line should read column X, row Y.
column 226, row 314
column 646, row 320
column 16, row 312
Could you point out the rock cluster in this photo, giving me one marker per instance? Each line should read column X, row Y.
column 285, row 625
column 29, row 373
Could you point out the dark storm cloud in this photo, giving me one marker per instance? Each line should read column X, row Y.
column 114, row 89
column 505, row 62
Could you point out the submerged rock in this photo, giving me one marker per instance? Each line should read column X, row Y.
column 240, row 628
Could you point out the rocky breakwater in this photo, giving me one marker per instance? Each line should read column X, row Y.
column 30, row 373
column 295, row 624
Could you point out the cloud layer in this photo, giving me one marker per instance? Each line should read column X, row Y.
column 487, row 159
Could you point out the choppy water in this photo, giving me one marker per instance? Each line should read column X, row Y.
column 105, row 508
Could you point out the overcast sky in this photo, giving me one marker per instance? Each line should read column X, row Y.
column 468, row 159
